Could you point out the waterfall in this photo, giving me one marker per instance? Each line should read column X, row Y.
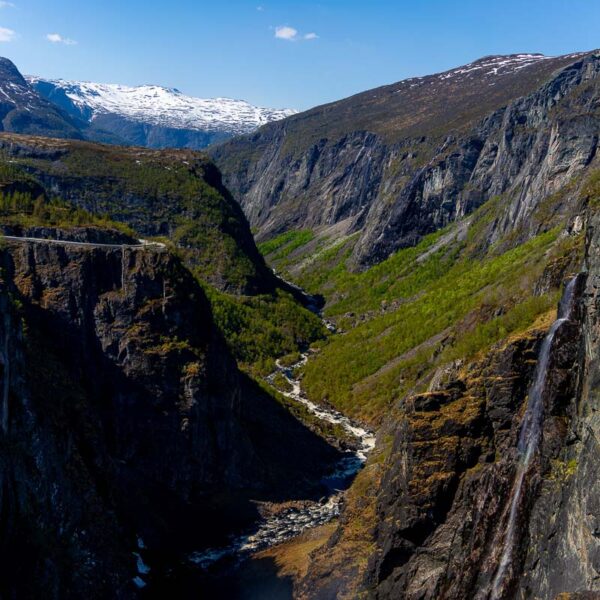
column 123, row 269
column 6, row 373
column 529, row 436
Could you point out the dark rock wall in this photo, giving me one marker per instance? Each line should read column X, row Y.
column 123, row 415
column 564, row 550
column 525, row 152
column 443, row 505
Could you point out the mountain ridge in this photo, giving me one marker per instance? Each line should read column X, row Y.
column 438, row 219
column 154, row 115
column 349, row 164
column 89, row 89
column 22, row 110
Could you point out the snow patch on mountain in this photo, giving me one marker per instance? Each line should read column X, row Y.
column 164, row 107
column 488, row 66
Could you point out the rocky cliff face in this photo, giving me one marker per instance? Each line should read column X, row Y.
column 524, row 152
column 564, row 549
column 176, row 194
column 23, row 110
column 450, row 518
column 123, row 419
column 397, row 175
column 444, row 509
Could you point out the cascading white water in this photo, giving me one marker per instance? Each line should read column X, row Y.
column 291, row 522
column 529, row 436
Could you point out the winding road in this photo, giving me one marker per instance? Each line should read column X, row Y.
column 142, row 243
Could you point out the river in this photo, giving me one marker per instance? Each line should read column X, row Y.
column 293, row 521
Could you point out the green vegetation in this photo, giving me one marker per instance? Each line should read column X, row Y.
column 281, row 383
column 290, row 359
column 216, row 258
column 283, row 245
column 323, row 428
column 591, row 190
column 21, row 209
column 171, row 345
column 561, row 470
column 450, row 297
column 398, row 277
column 259, row 329
column 177, row 194
column 464, row 304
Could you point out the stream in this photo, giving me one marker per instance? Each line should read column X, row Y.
column 291, row 522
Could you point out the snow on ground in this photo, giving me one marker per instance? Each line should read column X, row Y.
column 489, row 67
column 166, row 107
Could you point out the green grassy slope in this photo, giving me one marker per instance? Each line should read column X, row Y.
column 176, row 196
column 449, row 298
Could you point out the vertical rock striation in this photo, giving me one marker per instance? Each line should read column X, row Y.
column 564, row 550
column 124, row 417
column 449, row 523
column 400, row 162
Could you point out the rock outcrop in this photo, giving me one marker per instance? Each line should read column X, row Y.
column 393, row 174
column 445, row 501
column 176, row 194
column 126, row 426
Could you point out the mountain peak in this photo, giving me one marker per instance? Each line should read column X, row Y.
column 10, row 73
column 25, row 111
column 157, row 105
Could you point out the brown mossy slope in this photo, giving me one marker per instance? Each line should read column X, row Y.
column 438, row 490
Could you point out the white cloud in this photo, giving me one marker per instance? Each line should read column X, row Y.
column 260, row 8
column 6, row 4
column 283, row 32
column 7, row 35
column 56, row 38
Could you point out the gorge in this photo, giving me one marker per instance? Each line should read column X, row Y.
column 391, row 393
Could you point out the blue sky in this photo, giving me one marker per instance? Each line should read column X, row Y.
column 281, row 53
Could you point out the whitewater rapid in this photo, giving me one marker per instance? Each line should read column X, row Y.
column 291, row 522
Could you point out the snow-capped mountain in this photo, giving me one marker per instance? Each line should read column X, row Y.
column 153, row 115
column 23, row 110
